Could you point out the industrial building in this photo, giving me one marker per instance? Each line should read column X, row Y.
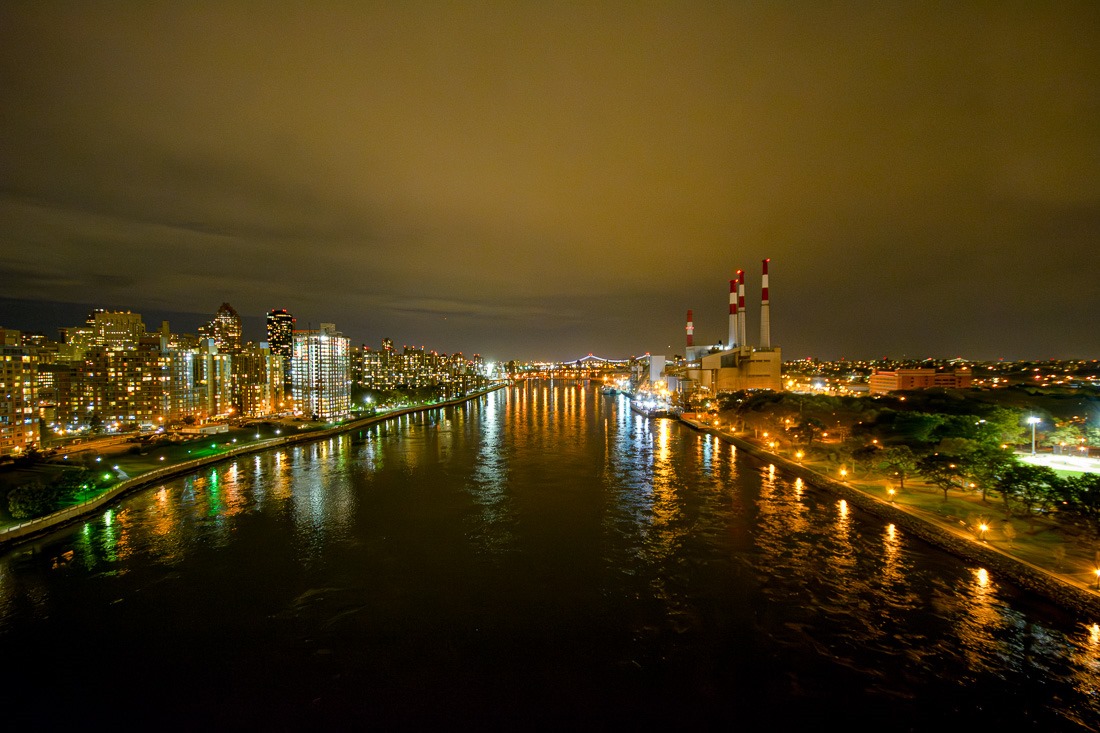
column 737, row 366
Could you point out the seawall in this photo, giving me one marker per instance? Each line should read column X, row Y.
column 1061, row 591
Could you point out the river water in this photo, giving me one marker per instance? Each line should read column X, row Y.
column 540, row 558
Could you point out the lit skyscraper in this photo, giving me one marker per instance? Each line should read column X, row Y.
column 280, row 337
column 225, row 329
column 321, row 373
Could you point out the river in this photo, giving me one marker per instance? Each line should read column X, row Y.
column 539, row 558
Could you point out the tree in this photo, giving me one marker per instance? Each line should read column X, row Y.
column 808, row 428
column 941, row 470
column 71, row 481
column 32, row 499
column 1029, row 487
column 1070, row 435
column 912, row 428
column 1083, row 495
column 899, row 461
column 1006, row 424
column 984, row 463
column 867, row 453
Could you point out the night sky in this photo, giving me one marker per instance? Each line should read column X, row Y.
column 544, row 180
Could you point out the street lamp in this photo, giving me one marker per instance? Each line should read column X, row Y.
column 1033, row 420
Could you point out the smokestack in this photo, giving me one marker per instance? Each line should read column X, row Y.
column 690, row 333
column 765, row 316
column 742, row 337
column 733, row 312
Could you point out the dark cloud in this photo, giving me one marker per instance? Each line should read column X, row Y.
column 545, row 180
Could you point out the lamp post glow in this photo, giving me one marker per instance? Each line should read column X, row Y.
column 1033, row 420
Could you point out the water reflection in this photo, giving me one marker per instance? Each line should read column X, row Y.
column 547, row 538
column 492, row 528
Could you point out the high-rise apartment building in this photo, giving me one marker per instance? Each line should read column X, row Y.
column 258, row 376
column 321, row 373
column 18, row 401
column 122, row 387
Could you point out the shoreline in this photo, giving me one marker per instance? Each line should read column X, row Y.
column 33, row 528
column 1054, row 586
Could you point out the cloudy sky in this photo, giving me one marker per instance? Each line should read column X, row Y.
column 546, row 179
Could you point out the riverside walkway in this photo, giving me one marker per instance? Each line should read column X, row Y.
column 14, row 532
column 1042, row 554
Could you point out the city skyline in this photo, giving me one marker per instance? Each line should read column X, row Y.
column 540, row 182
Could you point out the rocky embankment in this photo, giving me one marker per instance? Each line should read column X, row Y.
column 935, row 531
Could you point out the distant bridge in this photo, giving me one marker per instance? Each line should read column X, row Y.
column 591, row 367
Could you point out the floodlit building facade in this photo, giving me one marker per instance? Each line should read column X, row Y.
column 321, row 373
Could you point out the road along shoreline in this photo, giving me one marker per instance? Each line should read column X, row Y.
column 33, row 528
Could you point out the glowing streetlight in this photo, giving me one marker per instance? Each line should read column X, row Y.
column 983, row 528
column 1033, row 420
column 843, row 473
column 891, row 492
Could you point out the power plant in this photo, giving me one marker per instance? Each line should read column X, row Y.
column 737, row 365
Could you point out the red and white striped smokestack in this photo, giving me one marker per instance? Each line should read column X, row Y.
column 690, row 332
column 765, row 315
column 733, row 312
column 742, row 337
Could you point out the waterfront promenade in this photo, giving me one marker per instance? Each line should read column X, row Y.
column 13, row 532
column 1041, row 554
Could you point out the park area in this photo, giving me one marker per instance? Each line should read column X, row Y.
column 96, row 464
